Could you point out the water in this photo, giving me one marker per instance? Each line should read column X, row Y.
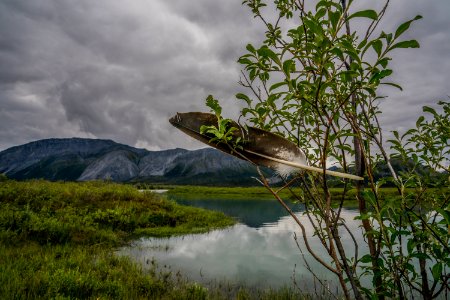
column 259, row 251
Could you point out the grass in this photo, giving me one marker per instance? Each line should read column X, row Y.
column 232, row 193
column 259, row 193
column 68, row 271
column 58, row 241
column 95, row 212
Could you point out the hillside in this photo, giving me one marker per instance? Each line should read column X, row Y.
column 79, row 159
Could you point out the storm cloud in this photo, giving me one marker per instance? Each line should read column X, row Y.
column 117, row 70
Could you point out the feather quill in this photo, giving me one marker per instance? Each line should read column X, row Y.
column 259, row 146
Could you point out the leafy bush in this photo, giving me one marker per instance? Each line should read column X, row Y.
column 314, row 81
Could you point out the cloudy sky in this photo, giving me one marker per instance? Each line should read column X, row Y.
column 119, row 69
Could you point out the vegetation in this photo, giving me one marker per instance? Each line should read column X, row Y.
column 261, row 193
column 94, row 212
column 314, row 80
column 58, row 239
column 207, row 192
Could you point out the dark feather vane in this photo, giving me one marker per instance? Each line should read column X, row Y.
column 259, row 146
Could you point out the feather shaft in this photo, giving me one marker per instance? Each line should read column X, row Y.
column 306, row 167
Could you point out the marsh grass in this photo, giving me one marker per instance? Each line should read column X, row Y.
column 260, row 193
column 94, row 213
column 230, row 193
column 57, row 240
column 35, row 271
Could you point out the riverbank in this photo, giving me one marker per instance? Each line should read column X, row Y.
column 58, row 240
column 261, row 193
column 257, row 193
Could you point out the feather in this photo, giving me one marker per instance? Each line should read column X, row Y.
column 259, row 146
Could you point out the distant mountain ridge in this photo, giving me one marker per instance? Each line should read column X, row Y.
column 90, row 159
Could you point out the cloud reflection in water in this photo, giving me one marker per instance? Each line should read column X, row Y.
column 257, row 256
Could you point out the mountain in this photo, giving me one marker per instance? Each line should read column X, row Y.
column 89, row 159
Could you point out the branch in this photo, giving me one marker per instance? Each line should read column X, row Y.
column 302, row 227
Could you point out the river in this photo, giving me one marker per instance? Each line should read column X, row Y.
column 259, row 251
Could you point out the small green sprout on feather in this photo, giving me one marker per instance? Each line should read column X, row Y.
column 223, row 132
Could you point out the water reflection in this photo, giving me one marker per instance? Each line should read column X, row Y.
column 259, row 251
column 253, row 213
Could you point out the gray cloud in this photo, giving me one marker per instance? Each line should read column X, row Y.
column 116, row 70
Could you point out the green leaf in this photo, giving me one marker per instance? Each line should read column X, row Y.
column 322, row 3
column 420, row 255
column 246, row 110
column 271, row 99
column 244, row 61
column 380, row 75
column 387, row 36
column 213, row 104
column 313, row 26
column 410, row 246
column 436, row 270
column 244, row 97
column 320, row 13
column 393, row 84
column 253, row 73
column 369, row 13
column 429, row 110
column 261, row 111
column 377, row 45
column 369, row 197
column 406, row 44
column 409, row 132
column 277, row 85
column 419, row 121
column 266, row 52
column 288, row 66
column 338, row 52
column 385, row 73
column 445, row 214
column 395, row 132
column 362, row 44
column 393, row 238
column 383, row 62
column 371, row 91
column 410, row 268
column 403, row 27
column 250, row 48
column 334, row 18
column 366, row 259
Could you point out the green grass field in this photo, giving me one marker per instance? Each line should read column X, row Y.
column 203, row 192
column 58, row 241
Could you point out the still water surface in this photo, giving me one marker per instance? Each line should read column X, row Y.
column 258, row 251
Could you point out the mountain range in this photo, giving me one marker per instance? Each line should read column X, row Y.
column 80, row 159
